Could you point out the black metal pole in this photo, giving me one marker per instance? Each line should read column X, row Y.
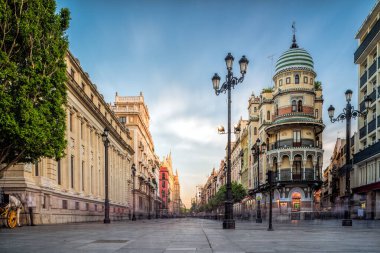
column 347, row 221
column 133, row 196
column 149, row 204
column 229, row 222
column 106, row 201
column 258, row 216
column 270, row 175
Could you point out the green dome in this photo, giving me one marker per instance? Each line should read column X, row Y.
column 295, row 58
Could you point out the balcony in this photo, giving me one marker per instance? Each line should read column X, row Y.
column 372, row 125
column 362, row 106
column 372, row 69
column 289, row 143
column 363, row 132
column 370, row 36
column 352, row 140
column 363, row 79
column 286, row 175
column 373, row 95
column 378, row 120
column 367, row 153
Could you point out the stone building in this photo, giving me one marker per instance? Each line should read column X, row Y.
column 132, row 112
column 290, row 123
column 365, row 177
column 72, row 188
column 170, row 192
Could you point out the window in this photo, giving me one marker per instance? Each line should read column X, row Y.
column 255, row 131
column 71, row 122
column 163, row 194
column 163, row 184
column 72, row 72
column 36, row 172
column 122, row 120
column 311, row 80
column 255, row 109
column 163, row 176
column 297, row 138
column 44, row 202
column 99, row 106
column 92, row 98
column 268, row 115
column 300, row 106
column 294, row 106
column 317, row 141
column 87, row 206
column 276, row 109
column 316, row 113
column 297, row 79
column 81, row 130
column 83, row 85
column 287, row 80
column 59, row 171
column 76, row 205
column 72, row 171
column 64, row 204
column 305, row 79
column 280, row 82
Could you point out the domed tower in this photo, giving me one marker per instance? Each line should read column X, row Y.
column 291, row 126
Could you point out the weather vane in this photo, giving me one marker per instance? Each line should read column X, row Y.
column 294, row 44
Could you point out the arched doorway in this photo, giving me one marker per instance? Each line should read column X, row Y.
column 297, row 167
column 296, row 202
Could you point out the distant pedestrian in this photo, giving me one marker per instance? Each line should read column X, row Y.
column 30, row 202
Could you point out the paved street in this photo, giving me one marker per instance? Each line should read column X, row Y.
column 193, row 235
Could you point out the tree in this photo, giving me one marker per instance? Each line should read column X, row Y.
column 33, row 45
column 317, row 85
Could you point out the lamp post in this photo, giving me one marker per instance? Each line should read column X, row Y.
column 257, row 150
column 106, row 200
column 231, row 81
column 270, row 183
column 149, row 202
column 348, row 113
column 133, row 191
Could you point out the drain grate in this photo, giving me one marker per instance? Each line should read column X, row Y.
column 110, row 241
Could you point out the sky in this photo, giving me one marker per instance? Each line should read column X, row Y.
column 169, row 50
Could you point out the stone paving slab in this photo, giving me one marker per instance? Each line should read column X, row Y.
column 193, row 235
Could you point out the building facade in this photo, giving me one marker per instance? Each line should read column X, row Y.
column 365, row 177
column 133, row 113
column 290, row 123
column 72, row 188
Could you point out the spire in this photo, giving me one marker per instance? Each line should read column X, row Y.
column 294, row 44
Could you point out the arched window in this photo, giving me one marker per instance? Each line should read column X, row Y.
column 305, row 79
column 275, row 165
column 294, row 106
column 297, row 79
column 299, row 105
column 316, row 114
column 276, row 109
column 255, row 131
column 268, row 115
column 317, row 142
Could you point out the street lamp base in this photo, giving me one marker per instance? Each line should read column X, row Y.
column 347, row 223
column 133, row 217
column 229, row 224
column 259, row 220
column 149, row 217
column 270, row 229
column 107, row 221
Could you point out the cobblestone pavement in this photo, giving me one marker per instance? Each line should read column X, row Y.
column 193, row 235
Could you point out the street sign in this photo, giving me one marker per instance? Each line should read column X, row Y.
column 259, row 196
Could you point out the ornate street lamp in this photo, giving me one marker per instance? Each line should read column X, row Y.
column 348, row 113
column 231, row 81
column 257, row 150
column 133, row 191
column 106, row 200
column 149, row 204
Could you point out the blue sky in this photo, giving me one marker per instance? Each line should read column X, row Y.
column 169, row 50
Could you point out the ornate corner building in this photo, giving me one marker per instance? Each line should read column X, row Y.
column 288, row 118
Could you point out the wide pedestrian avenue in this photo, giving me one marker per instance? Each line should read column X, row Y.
column 193, row 235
